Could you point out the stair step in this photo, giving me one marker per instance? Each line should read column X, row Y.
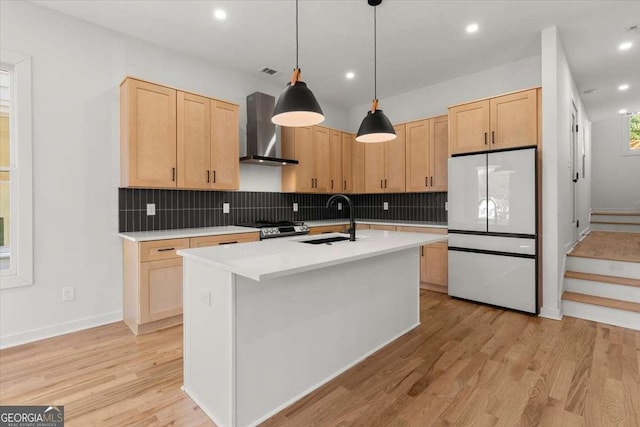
column 600, row 221
column 605, row 267
column 601, row 301
column 602, row 278
column 616, row 213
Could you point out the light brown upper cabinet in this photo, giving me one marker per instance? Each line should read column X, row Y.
column 418, row 169
column 297, row 143
column 357, row 166
column 347, row 162
column 502, row 122
column 225, row 140
column 170, row 138
column 335, row 162
column 439, row 152
column 194, row 141
column 384, row 169
column 147, row 135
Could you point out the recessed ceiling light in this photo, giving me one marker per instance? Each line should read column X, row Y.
column 472, row 28
column 350, row 75
column 623, row 111
column 625, row 46
column 623, row 87
column 220, row 14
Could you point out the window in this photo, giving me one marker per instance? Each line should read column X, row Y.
column 6, row 189
column 634, row 133
column 16, row 232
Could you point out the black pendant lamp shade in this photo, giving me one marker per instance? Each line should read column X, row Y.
column 297, row 106
column 376, row 126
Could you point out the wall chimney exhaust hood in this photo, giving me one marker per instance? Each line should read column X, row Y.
column 263, row 142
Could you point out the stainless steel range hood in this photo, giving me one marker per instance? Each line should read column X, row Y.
column 262, row 135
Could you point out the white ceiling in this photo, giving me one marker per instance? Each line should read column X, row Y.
column 419, row 42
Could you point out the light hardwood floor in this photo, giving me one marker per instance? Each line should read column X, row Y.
column 609, row 245
column 467, row 364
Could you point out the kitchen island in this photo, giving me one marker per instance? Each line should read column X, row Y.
column 267, row 322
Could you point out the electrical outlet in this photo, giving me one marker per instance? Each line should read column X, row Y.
column 205, row 296
column 339, row 206
column 68, row 293
column 226, row 207
column 151, row 208
column 295, row 207
column 446, row 206
column 385, row 206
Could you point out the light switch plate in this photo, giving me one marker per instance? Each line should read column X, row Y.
column 151, row 209
column 446, row 206
column 205, row 296
column 385, row 206
column 226, row 207
column 339, row 206
column 295, row 207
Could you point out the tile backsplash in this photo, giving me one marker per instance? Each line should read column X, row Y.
column 190, row 209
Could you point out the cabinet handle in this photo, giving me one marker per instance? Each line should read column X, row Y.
column 485, row 138
column 426, row 184
column 312, row 183
column 421, row 250
column 493, row 137
column 381, row 185
column 344, row 185
column 332, row 184
column 227, row 243
column 431, row 181
column 166, row 249
column 208, row 176
column 173, row 174
column 214, row 177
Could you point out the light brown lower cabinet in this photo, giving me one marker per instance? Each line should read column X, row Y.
column 434, row 261
column 338, row 228
column 153, row 279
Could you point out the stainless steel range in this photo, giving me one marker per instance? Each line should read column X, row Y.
column 271, row 229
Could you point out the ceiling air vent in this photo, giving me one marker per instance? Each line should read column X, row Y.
column 269, row 71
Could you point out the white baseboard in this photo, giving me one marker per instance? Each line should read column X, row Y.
column 550, row 313
column 32, row 335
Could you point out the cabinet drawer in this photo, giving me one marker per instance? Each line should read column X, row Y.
column 161, row 249
column 362, row 226
column 383, row 227
column 423, row 230
column 224, row 239
column 340, row 228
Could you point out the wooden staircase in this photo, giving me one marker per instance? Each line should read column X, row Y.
column 615, row 221
column 602, row 281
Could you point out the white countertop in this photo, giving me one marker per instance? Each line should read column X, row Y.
column 273, row 258
column 142, row 236
column 324, row 222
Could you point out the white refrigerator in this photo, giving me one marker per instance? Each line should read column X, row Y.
column 493, row 228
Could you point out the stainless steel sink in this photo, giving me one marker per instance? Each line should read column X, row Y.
column 325, row 240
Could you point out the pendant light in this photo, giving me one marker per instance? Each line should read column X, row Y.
column 375, row 127
column 296, row 105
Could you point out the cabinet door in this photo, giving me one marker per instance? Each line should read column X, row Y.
column 335, row 162
column 225, row 165
column 149, row 126
column 439, row 148
column 358, row 165
column 160, row 289
column 395, row 163
column 347, row 150
column 435, row 267
column 194, row 141
column 418, row 156
column 514, row 120
column 469, row 127
column 304, row 154
column 322, row 159
column 373, row 167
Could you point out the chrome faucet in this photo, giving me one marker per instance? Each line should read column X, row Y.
column 352, row 222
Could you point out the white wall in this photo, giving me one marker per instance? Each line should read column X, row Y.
column 615, row 175
column 77, row 68
column 435, row 99
column 559, row 235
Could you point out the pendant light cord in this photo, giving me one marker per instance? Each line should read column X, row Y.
column 375, row 54
column 297, row 34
